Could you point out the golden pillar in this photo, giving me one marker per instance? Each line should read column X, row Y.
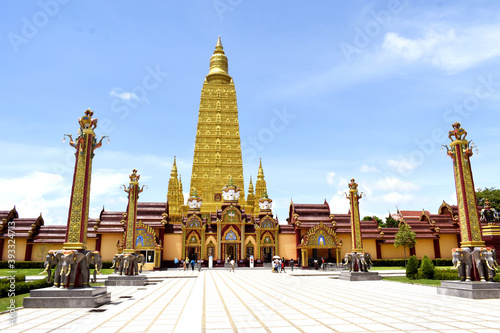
column 85, row 144
column 133, row 191
column 460, row 151
column 354, row 196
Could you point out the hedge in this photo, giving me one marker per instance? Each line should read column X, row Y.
column 18, row 278
column 23, row 264
column 23, row 287
column 446, row 274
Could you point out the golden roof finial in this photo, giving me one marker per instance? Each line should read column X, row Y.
column 174, row 170
column 218, row 65
column 260, row 174
column 250, row 186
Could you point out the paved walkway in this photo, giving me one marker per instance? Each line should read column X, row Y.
column 259, row 301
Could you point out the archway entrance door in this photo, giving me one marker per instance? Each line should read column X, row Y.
column 193, row 252
column 267, row 253
column 231, row 251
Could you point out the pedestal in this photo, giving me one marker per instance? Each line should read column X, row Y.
column 67, row 298
column 475, row 290
column 126, row 280
column 359, row 276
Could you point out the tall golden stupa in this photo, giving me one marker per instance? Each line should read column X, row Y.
column 217, row 153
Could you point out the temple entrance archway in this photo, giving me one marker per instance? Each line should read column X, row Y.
column 193, row 252
column 267, row 253
column 231, row 251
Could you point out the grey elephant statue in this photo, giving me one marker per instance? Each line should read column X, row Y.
column 366, row 260
column 464, row 260
column 117, row 263
column 73, row 262
column 489, row 256
column 358, row 261
column 130, row 263
column 94, row 258
column 53, row 258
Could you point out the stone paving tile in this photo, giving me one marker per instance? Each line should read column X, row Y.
column 177, row 305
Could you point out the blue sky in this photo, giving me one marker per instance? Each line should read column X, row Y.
column 326, row 92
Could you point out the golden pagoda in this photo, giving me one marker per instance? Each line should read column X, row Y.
column 217, row 152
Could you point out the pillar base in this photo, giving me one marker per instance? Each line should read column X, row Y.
column 360, row 276
column 126, row 280
column 474, row 290
column 51, row 297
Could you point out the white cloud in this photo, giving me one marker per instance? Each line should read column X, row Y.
column 330, row 178
column 401, row 166
column 126, row 95
column 395, row 184
column 35, row 193
column 367, row 168
column 453, row 50
column 396, row 198
column 339, row 203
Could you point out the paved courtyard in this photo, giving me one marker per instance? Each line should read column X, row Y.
column 259, row 301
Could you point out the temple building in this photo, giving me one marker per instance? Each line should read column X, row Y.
column 219, row 219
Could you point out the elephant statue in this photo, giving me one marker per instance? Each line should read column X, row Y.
column 117, row 260
column 366, row 260
column 127, row 265
column 73, row 262
column 464, row 260
column 53, row 258
column 94, row 258
column 358, row 261
column 348, row 261
column 491, row 266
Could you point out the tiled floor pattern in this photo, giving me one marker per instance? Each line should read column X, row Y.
column 259, row 301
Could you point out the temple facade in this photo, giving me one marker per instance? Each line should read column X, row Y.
column 220, row 221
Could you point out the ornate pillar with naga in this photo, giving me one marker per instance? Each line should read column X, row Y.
column 472, row 258
column 72, row 263
column 358, row 261
column 134, row 239
column 74, row 259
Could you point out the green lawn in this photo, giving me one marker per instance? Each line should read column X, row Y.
column 5, row 302
column 404, row 279
column 387, row 268
column 25, row 271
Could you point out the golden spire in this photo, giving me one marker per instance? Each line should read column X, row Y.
column 250, row 186
column 174, row 170
column 260, row 174
column 181, row 195
column 218, row 65
column 260, row 187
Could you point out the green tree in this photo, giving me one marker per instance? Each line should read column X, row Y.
column 412, row 268
column 427, row 268
column 405, row 238
column 371, row 218
column 492, row 194
column 391, row 222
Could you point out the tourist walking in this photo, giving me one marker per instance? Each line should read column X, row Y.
column 176, row 262
column 184, row 263
column 283, row 265
column 291, row 264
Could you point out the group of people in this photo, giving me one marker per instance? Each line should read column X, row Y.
column 185, row 263
column 279, row 265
